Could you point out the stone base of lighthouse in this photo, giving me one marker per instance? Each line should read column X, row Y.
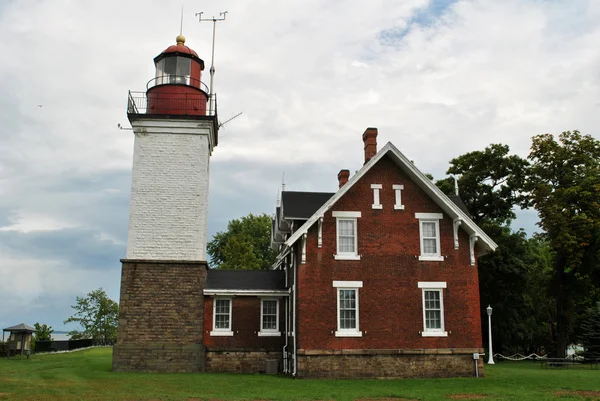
column 161, row 316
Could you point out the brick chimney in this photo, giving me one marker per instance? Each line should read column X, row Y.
column 370, row 140
column 343, row 176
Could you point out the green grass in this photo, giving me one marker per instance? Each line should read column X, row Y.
column 86, row 375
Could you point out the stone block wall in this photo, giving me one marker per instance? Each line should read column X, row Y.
column 161, row 316
column 352, row 364
column 240, row 361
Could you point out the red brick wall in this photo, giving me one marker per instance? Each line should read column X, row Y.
column 390, row 302
column 245, row 320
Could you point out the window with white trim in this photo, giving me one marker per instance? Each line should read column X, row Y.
column 376, row 201
column 221, row 317
column 347, row 308
column 433, row 309
column 269, row 317
column 429, row 233
column 346, row 229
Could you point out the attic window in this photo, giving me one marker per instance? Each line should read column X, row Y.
column 398, row 190
column 376, row 201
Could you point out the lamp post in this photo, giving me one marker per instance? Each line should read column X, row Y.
column 489, row 312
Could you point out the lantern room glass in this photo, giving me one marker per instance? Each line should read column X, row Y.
column 173, row 70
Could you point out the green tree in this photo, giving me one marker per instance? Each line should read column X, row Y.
column 42, row 332
column 564, row 188
column 590, row 332
column 245, row 245
column 490, row 183
column 98, row 316
column 512, row 279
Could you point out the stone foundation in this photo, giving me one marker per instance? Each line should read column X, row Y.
column 240, row 361
column 352, row 364
column 158, row 358
column 161, row 314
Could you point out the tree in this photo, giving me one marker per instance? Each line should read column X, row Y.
column 590, row 334
column 245, row 245
column 42, row 332
column 490, row 183
column 564, row 188
column 513, row 278
column 98, row 316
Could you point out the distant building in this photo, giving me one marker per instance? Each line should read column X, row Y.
column 377, row 279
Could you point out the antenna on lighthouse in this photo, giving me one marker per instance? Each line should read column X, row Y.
column 181, row 25
column 211, row 105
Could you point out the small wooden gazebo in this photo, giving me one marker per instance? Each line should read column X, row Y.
column 19, row 341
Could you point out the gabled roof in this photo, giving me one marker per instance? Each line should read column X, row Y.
column 485, row 243
column 245, row 279
column 20, row 328
column 302, row 205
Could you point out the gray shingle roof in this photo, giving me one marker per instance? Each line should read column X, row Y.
column 245, row 279
column 302, row 205
column 459, row 202
column 20, row 328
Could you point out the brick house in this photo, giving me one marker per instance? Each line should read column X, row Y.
column 378, row 279
column 382, row 275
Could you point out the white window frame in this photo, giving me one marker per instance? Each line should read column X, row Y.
column 341, row 216
column 222, row 332
column 430, row 218
column 437, row 286
column 398, row 191
column 376, row 198
column 348, row 286
column 269, row 332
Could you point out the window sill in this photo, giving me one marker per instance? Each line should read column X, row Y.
column 341, row 333
column 346, row 257
column 269, row 334
column 434, row 334
column 398, row 207
column 431, row 258
column 377, row 207
column 217, row 333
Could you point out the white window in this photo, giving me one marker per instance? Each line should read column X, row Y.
column 347, row 308
column 398, row 191
column 376, row 202
column 346, row 224
column 429, row 233
column 433, row 309
column 269, row 317
column 221, row 317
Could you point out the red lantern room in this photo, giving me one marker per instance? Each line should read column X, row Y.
column 176, row 88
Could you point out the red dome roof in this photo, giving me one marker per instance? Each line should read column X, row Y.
column 180, row 47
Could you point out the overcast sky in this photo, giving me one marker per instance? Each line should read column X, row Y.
column 438, row 78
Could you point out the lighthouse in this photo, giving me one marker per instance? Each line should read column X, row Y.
column 164, row 271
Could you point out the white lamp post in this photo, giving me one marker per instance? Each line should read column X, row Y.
column 489, row 312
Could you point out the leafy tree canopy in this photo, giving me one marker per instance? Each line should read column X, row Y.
column 98, row 316
column 42, row 332
column 564, row 188
column 490, row 183
column 246, row 244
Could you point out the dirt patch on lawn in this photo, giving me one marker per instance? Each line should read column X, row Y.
column 467, row 396
column 4, row 395
column 579, row 393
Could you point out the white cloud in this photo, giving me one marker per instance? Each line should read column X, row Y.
column 309, row 77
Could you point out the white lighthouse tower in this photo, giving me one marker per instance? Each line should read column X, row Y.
column 163, row 275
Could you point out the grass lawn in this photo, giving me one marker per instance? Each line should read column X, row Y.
column 86, row 375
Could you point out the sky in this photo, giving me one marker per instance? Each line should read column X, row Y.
column 438, row 78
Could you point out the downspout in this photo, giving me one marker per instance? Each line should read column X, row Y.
column 287, row 318
column 295, row 334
